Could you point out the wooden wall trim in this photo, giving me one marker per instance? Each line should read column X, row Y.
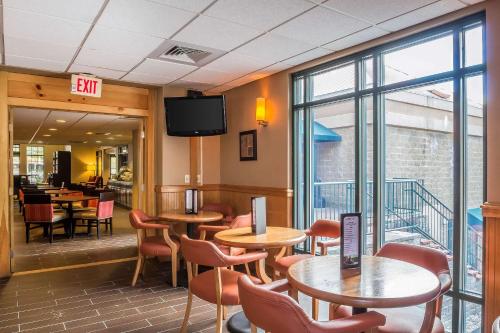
column 491, row 209
column 267, row 191
column 4, row 180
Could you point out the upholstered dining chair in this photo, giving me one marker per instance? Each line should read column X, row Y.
column 321, row 228
column 409, row 319
column 38, row 211
column 217, row 285
column 153, row 246
column 225, row 209
column 102, row 215
column 268, row 308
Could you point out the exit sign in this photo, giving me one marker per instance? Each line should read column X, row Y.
column 86, row 85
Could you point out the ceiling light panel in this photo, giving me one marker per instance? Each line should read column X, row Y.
column 84, row 11
column 375, row 11
column 191, row 5
column 116, row 62
column 355, row 39
column 145, row 17
column 320, row 25
column 274, row 48
column 259, row 14
column 421, row 15
column 43, row 28
column 100, row 72
column 215, row 33
column 169, row 70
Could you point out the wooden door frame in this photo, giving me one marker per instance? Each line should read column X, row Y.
column 45, row 92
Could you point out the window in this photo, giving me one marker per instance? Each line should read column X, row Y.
column 35, row 163
column 113, row 166
column 16, row 156
column 385, row 132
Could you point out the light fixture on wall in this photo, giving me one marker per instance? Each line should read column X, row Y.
column 91, row 167
column 260, row 111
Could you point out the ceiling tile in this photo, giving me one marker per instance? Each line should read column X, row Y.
column 42, row 50
column 215, row 33
column 117, row 62
column 35, row 63
column 85, row 11
column 99, row 72
column 192, row 85
column 43, row 28
column 319, row 25
column 307, row 56
column 375, row 11
column 147, row 79
column 472, row 2
column 145, row 17
column 116, row 41
column 274, row 48
column 234, row 62
column 210, row 76
column 218, row 90
column 355, row 39
column 259, row 14
column 421, row 15
column 168, row 70
column 191, row 5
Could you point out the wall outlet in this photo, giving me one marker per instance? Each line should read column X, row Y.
column 187, row 179
column 198, row 179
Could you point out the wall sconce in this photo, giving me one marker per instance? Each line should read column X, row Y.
column 260, row 111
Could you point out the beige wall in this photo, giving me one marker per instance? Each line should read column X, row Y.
column 81, row 155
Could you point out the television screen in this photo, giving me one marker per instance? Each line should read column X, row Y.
column 195, row 116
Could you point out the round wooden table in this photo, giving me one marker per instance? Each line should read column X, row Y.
column 382, row 283
column 178, row 217
column 69, row 199
column 275, row 237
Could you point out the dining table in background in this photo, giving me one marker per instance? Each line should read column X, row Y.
column 379, row 283
column 179, row 217
column 70, row 200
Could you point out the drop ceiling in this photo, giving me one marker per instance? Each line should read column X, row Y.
column 37, row 126
column 119, row 39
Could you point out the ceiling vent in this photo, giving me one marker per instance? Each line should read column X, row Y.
column 185, row 53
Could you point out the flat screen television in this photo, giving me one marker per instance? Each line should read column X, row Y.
column 195, row 116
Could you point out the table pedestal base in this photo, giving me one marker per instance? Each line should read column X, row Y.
column 238, row 323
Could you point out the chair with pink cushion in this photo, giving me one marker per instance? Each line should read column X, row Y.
column 410, row 319
column 102, row 215
column 225, row 209
column 153, row 246
column 266, row 307
column 240, row 221
column 218, row 285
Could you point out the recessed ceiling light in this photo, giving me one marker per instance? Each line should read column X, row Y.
column 85, row 141
column 107, row 133
column 61, row 121
column 39, row 141
column 47, row 135
column 119, row 135
column 111, row 138
column 98, row 141
column 89, row 133
column 53, row 129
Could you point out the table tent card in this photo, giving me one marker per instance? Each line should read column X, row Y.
column 191, row 201
column 350, row 241
column 259, row 215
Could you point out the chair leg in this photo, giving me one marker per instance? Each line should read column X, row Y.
column 187, row 313
column 111, row 226
column 174, row 269
column 224, row 312
column 294, row 293
column 27, row 225
column 98, row 226
column 253, row 328
column 247, row 268
column 218, row 324
column 315, row 308
column 51, row 233
column 138, row 269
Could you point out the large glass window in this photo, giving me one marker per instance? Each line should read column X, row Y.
column 397, row 133
column 16, row 159
column 35, row 163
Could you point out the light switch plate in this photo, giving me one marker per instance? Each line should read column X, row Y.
column 187, row 179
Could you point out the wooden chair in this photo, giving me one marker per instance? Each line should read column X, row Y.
column 102, row 215
column 217, row 285
column 38, row 211
column 164, row 245
column 409, row 319
column 266, row 307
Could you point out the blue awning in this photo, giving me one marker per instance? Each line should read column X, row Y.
column 324, row 134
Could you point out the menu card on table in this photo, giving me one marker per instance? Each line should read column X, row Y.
column 191, row 201
column 350, row 241
column 259, row 215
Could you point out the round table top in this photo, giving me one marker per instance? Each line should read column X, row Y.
column 180, row 216
column 61, row 191
column 383, row 282
column 71, row 198
column 275, row 237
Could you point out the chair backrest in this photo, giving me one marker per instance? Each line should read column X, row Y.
column 38, row 208
column 202, row 252
column 222, row 208
column 272, row 311
column 325, row 228
column 136, row 218
column 241, row 221
column 91, row 179
column 105, row 205
column 428, row 258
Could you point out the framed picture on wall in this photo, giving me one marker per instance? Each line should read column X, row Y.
column 248, row 145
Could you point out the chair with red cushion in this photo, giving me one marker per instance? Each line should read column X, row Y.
column 266, row 307
column 38, row 211
column 102, row 215
column 410, row 319
column 240, row 221
column 218, row 285
column 153, row 246
column 224, row 209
